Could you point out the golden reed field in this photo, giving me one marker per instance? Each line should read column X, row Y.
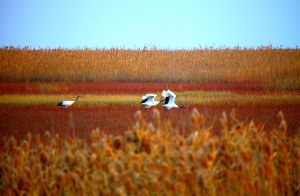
column 275, row 68
column 154, row 159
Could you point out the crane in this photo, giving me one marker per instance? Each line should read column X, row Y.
column 67, row 103
column 169, row 98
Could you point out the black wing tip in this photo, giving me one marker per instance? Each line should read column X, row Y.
column 143, row 101
column 167, row 100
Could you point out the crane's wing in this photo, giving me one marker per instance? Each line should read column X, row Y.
column 151, row 96
column 168, row 95
column 67, row 102
column 171, row 93
column 147, row 97
column 164, row 94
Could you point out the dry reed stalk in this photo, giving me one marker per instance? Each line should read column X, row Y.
column 153, row 158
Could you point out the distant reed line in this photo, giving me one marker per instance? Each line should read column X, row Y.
column 277, row 68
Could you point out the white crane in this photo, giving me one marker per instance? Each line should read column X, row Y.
column 169, row 98
column 66, row 104
column 148, row 101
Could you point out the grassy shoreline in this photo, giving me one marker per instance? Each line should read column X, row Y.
column 191, row 97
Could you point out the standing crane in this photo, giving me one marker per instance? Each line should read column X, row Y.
column 67, row 103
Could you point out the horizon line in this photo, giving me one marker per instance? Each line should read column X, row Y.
column 153, row 48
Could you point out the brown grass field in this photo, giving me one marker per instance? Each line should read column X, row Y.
column 274, row 68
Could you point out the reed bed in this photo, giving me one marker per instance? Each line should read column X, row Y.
column 153, row 158
column 276, row 68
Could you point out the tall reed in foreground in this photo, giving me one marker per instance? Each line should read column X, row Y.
column 154, row 159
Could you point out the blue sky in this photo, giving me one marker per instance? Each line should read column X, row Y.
column 137, row 23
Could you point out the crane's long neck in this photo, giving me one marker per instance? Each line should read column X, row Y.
column 77, row 98
column 161, row 100
column 166, row 99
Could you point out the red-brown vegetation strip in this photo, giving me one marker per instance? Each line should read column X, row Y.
column 125, row 87
column 79, row 121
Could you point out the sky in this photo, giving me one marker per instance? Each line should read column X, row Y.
column 138, row 23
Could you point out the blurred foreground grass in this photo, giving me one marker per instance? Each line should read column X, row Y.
column 154, row 159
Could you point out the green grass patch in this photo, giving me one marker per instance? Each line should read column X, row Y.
column 19, row 100
column 284, row 83
column 202, row 97
column 193, row 97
